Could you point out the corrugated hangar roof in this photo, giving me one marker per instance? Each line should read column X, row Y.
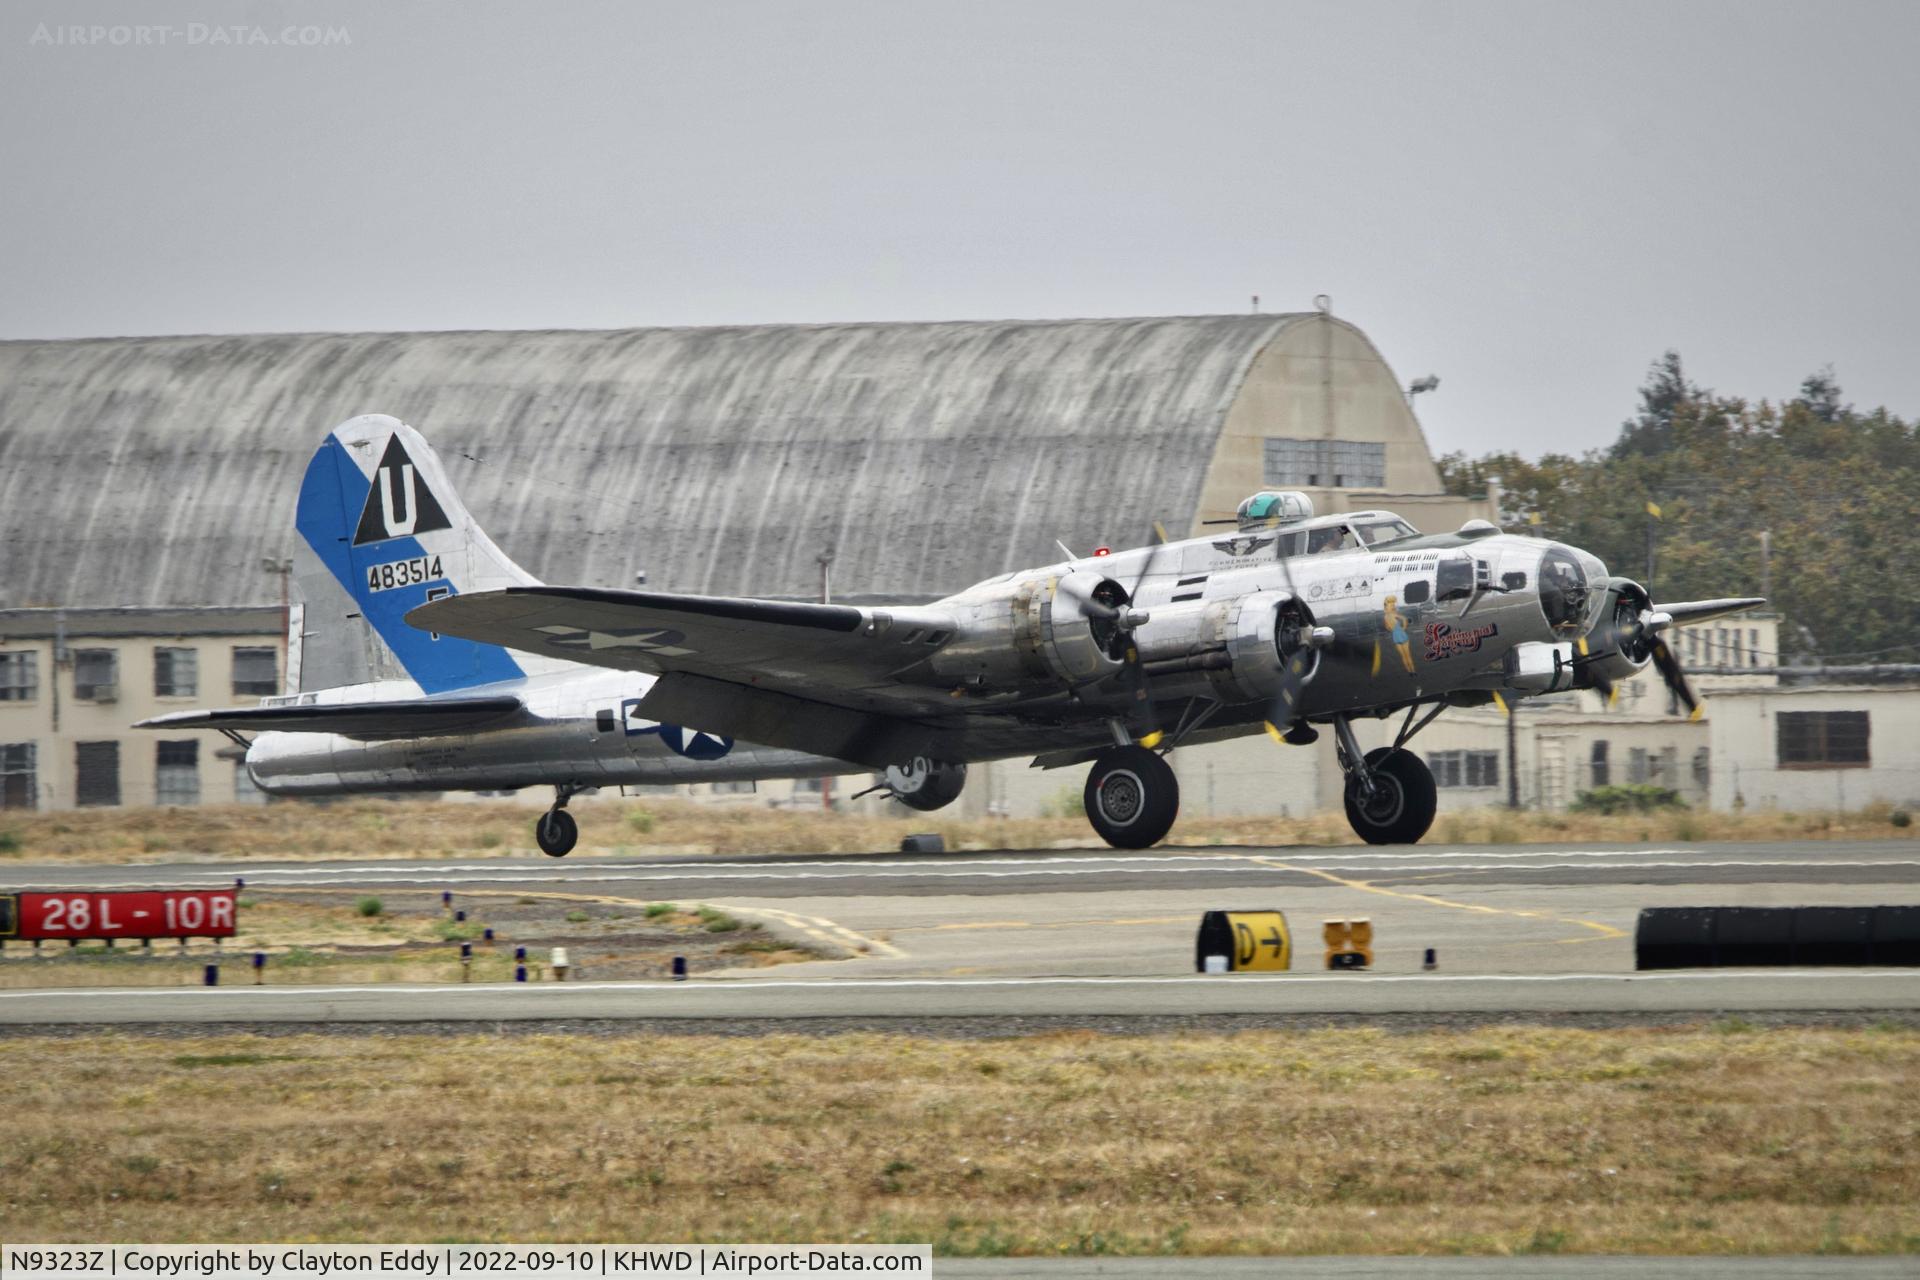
column 160, row 471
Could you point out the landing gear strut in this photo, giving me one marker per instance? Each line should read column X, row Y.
column 1390, row 794
column 1132, row 797
column 555, row 830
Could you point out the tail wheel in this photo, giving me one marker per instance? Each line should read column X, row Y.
column 1132, row 797
column 1403, row 802
column 556, row 832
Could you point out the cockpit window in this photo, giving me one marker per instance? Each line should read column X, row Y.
column 1377, row 531
column 1563, row 591
column 1333, row 538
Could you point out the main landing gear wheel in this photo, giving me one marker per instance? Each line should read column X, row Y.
column 1132, row 797
column 1402, row 805
column 557, row 832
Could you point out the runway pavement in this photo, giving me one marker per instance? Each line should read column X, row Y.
column 1045, row 932
column 929, row 998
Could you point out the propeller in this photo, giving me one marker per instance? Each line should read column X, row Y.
column 1282, row 720
column 1110, row 603
column 1640, row 636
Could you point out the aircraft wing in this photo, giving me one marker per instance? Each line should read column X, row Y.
column 829, row 652
column 1687, row 612
column 409, row 718
column 813, row 677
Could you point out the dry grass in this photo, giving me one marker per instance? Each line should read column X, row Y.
column 427, row 828
column 315, row 937
column 1699, row 1140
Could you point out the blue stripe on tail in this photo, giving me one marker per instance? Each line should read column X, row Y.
column 333, row 493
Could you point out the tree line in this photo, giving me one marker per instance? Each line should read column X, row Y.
column 1696, row 477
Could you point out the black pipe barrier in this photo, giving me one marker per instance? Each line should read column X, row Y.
column 1720, row 937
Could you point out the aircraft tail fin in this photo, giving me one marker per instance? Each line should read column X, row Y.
column 382, row 531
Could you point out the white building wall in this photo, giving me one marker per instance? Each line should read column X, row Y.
column 1748, row 772
column 56, row 720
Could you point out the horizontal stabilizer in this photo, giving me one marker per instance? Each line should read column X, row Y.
column 412, row 718
column 1687, row 612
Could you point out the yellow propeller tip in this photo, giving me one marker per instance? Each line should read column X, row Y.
column 1699, row 710
column 1501, row 703
column 1153, row 739
column 1274, row 733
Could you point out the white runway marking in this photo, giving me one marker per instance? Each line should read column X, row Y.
column 1221, row 866
column 841, row 984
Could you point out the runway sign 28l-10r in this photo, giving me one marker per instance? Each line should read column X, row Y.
column 183, row 913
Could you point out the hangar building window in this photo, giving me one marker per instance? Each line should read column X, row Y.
column 96, row 675
column 176, row 772
column 19, row 784
column 96, row 767
column 1465, row 768
column 1822, row 739
column 176, row 673
column 19, row 676
column 256, row 671
column 1332, row 464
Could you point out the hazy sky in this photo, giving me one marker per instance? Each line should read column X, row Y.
column 1529, row 200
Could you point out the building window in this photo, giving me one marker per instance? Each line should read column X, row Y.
column 96, row 773
column 96, row 676
column 1333, row 464
column 244, row 790
column 176, row 673
column 733, row 788
column 1636, row 764
column 19, row 781
column 19, row 676
column 1822, row 739
column 1465, row 768
column 1602, row 771
column 256, row 672
column 1702, row 767
column 176, row 772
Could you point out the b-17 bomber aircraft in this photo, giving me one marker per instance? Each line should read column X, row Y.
column 1113, row 660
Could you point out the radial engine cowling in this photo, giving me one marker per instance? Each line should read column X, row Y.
column 1039, row 629
column 1262, row 632
column 1617, row 647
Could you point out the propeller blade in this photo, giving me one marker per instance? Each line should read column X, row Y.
column 1601, row 684
column 1669, row 668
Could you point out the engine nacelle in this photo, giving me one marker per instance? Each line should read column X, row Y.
column 926, row 784
column 1262, row 633
column 1616, row 649
column 1036, row 629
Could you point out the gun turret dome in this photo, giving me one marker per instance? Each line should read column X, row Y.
column 1274, row 506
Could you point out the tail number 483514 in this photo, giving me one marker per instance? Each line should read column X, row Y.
column 403, row 573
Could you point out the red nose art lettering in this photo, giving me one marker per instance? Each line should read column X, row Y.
column 1443, row 641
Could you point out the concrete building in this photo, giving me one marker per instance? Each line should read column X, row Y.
column 72, row 681
column 146, row 484
column 1819, row 746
